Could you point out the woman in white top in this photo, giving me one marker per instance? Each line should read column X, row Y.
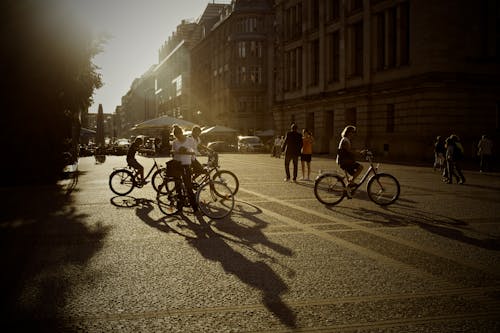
column 183, row 150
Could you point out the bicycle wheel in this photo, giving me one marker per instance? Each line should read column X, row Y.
column 159, row 179
column 228, row 178
column 215, row 199
column 168, row 200
column 383, row 189
column 329, row 189
column 121, row 181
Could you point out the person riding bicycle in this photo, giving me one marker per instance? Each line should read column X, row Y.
column 345, row 155
column 183, row 150
column 131, row 161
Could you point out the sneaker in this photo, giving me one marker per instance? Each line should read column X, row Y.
column 286, row 179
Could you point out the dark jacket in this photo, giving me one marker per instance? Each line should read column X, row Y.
column 292, row 143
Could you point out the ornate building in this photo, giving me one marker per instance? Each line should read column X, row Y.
column 231, row 66
column 402, row 71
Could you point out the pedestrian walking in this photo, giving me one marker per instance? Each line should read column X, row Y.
column 454, row 156
column 292, row 145
column 485, row 151
column 306, row 156
column 439, row 154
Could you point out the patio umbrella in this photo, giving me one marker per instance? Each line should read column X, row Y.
column 217, row 129
column 163, row 122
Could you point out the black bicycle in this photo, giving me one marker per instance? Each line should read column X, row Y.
column 214, row 198
column 382, row 188
column 124, row 179
column 211, row 170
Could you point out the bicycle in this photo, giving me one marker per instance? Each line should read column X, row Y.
column 214, row 198
column 124, row 179
column 211, row 170
column 382, row 188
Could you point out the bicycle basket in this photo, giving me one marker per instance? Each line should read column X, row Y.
column 174, row 168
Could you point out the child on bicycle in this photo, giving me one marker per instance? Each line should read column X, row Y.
column 131, row 161
column 345, row 154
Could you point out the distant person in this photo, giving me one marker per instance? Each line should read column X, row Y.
column 276, row 147
column 485, row 152
column 306, row 155
column 346, row 156
column 131, row 161
column 454, row 156
column 439, row 153
column 291, row 146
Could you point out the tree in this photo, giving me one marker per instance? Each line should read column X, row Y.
column 50, row 78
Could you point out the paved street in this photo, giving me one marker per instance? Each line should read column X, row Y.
column 282, row 262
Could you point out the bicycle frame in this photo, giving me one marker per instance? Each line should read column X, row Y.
column 372, row 169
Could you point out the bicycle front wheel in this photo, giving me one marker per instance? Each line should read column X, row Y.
column 228, row 178
column 121, row 182
column 383, row 189
column 329, row 189
column 159, row 181
column 215, row 199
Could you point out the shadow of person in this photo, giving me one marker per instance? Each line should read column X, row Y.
column 255, row 274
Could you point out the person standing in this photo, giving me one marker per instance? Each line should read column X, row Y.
column 454, row 156
column 306, row 156
column 485, row 150
column 183, row 150
column 292, row 145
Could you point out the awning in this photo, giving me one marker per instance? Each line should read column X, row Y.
column 163, row 122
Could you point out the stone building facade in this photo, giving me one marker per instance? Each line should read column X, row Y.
column 402, row 71
column 231, row 67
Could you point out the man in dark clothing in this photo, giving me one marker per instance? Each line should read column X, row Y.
column 292, row 146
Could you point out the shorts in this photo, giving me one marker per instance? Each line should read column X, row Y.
column 351, row 168
column 134, row 164
column 306, row 157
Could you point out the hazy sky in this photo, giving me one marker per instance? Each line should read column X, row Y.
column 138, row 29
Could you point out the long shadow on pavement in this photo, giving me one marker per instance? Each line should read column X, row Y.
column 41, row 235
column 215, row 246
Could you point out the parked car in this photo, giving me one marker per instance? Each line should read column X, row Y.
column 250, row 144
column 222, row 146
column 121, row 146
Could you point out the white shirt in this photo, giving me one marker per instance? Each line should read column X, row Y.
column 190, row 145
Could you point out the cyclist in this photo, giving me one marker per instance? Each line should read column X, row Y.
column 131, row 161
column 184, row 149
column 345, row 155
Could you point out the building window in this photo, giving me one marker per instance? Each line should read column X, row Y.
column 392, row 42
column 242, row 50
column 350, row 116
column 293, row 69
column 256, row 49
column 356, row 37
column 334, row 57
column 256, row 74
column 314, row 79
column 390, row 118
column 333, row 10
column 242, row 75
column 315, row 14
column 293, row 21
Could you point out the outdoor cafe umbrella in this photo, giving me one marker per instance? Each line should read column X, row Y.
column 163, row 122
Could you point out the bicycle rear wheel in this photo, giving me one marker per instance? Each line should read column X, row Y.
column 329, row 189
column 383, row 189
column 228, row 178
column 121, row 181
column 215, row 199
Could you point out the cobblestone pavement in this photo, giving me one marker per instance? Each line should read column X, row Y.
column 90, row 261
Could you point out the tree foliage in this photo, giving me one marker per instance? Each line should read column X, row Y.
column 49, row 78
